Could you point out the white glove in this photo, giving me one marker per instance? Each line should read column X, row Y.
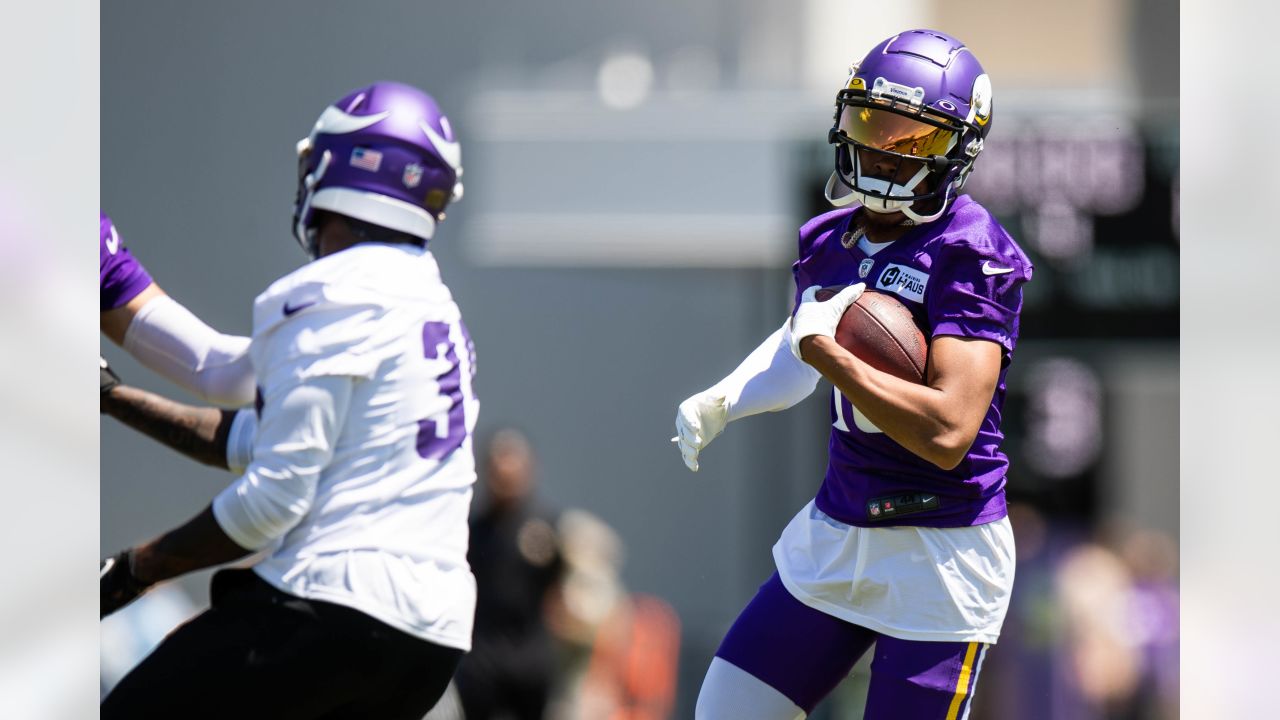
column 698, row 421
column 815, row 317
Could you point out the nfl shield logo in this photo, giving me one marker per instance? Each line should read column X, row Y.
column 412, row 175
column 864, row 269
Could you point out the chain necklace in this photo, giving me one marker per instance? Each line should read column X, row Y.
column 859, row 231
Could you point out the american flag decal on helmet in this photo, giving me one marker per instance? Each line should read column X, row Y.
column 366, row 159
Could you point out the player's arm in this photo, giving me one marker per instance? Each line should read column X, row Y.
column 169, row 339
column 973, row 314
column 938, row 420
column 115, row 322
column 771, row 378
column 200, row 543
column 299, row 427
column 213, row 436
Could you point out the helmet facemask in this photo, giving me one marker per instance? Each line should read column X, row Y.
column 925, row 151
column 304, row 225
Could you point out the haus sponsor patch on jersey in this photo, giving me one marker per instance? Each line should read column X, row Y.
column 905, row 281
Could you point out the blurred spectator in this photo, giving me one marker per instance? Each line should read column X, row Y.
column 578, row 606
column 620, row 651
column 1103, row 664
column 1120, row 602
column 1092, row 632
column 632, row 675
column 1152, row 559
column 515, row 556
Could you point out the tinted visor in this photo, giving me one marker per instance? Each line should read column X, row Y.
column 887, row 130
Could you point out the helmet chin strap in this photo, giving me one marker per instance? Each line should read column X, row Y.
column 834, row 185
column 863, row 185
column 942, row 207
column 878, row 205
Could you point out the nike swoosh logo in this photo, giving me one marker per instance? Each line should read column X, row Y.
column 450, row 151
column 989, row 269
column 291, row 310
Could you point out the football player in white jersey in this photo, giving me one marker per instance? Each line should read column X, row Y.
column 360, row 483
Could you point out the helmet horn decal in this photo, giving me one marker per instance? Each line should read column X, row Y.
column 334, row 121
column 980, row 103
column 450, row 151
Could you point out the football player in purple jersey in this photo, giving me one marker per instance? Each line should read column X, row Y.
column 162, row 334
column 907, row 545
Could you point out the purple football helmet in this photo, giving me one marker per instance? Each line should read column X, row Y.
column 384, row 154
column 916, row 108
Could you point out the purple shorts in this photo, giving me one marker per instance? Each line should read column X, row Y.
column 804, row 653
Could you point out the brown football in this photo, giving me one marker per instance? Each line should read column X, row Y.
column 880, row 331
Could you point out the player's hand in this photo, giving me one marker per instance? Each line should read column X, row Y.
column 117, row 585
column 820, row 317
column 107, row 377
column 698, row 421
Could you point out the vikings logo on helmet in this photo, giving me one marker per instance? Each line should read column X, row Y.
column 377, row 155
column 909, row 124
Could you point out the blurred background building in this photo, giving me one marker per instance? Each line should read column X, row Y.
column 635, row 176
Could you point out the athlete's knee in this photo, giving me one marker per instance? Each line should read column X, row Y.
column 731, row 693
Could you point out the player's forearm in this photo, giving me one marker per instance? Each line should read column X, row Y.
column 771, row 378
column 198, row 544
column 923, row 419
column 197, row 432
column 170, row 340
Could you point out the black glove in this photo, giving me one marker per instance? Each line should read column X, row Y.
column 117, row 586
column 107, row 378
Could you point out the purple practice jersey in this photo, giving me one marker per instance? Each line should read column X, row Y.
column 120, row 276
column 959, row 275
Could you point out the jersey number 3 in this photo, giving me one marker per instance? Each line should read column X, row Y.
column 443, row 432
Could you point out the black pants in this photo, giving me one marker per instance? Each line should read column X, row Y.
column 261, row 653
column 507, row 678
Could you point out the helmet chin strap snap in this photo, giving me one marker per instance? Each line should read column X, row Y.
column 941, row 163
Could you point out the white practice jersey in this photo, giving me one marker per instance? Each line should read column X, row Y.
column 362, row 467
column 913, row 583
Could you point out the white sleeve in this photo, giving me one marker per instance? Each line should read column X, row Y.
column 240, row 440
column 297, row 432
column 170, row 340
column 771, row 378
